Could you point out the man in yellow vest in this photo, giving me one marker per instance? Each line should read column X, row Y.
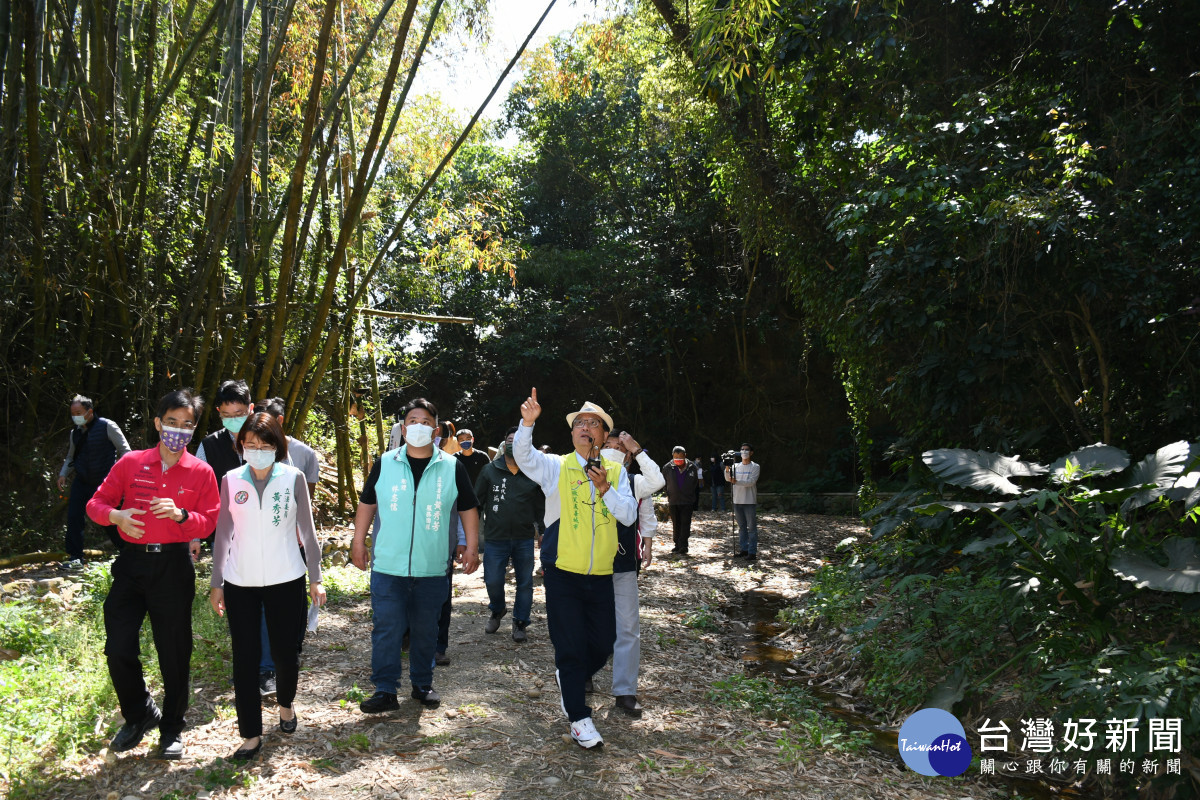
column 586, row 496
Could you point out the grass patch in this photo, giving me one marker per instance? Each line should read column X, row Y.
column 344, row 584
column 58, row 700
column 811, row 730
column 703, row 618
column 355, row 741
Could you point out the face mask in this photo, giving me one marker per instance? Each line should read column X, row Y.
column 745, row 454
column 79, row 421
column 418, row 435
column 466, row 444
column 506, row 449
column 259, row 459
column 175, row 439
column 234, row 424
column 678, row 462
column 613, row 454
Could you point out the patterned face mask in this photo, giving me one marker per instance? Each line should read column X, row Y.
column 175, row 439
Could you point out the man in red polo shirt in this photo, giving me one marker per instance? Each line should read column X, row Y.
column 160, row 499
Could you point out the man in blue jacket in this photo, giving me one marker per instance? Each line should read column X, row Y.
column 413, row 488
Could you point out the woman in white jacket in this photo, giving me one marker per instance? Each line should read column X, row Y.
column 258, row 569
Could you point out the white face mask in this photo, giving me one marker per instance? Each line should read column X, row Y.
column 613, row 454
column 745, row 454
column 79, row 421
column 418, row 435
column 259, row 459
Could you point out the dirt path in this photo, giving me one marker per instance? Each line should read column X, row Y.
column 491, row 739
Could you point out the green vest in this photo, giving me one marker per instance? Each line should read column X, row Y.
column 414, row 538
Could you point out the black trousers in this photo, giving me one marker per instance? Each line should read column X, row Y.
column 81, row 492
column 681, row 526
column 162, row 586
column 245, row 606
column 581, row 617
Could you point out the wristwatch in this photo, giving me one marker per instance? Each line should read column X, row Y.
column 183, row 519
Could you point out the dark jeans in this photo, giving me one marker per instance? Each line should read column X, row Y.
column 443, row 637
column 404, row 604
column 245, row 606
column 496, row 555
column 718, row 491
column 681, row 525
column 581, row 617
column 81, row 492
column 161, row 585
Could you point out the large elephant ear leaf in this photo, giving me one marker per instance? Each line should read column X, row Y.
column 1093, row 460
column 1156, row 473
column 1182, row 573
column 975, row 469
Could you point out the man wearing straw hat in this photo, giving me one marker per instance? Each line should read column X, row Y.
column 586, row 496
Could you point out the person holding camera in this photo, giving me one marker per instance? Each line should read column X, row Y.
column 743, row 478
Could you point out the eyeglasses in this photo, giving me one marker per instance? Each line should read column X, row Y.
column 586, row 422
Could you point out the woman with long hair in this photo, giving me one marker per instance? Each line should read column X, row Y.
column 259, row 569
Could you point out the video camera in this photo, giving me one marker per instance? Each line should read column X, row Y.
column 730, row 457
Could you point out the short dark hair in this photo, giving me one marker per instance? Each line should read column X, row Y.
column 181, row 398
column 614, row 433
column 510, row 431
column 267, row 429
column 275, row 406
column 86, row 402
column 233, row 392
column 747, row 446
column 419, row 402
column 678, row 449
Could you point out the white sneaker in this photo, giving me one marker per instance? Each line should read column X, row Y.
column 561, row 704
column 585, row 734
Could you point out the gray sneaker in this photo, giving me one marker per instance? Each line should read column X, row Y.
column 493, row 623
column 519, row 634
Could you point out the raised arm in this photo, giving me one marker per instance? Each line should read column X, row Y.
column 539, row 467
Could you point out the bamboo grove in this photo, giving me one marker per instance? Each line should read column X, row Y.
column 191, row 191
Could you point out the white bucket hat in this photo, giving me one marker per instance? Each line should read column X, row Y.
column 590, row 408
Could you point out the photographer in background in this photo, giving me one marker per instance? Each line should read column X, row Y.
column 743, row 478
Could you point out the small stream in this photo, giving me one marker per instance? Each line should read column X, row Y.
column 759, row 612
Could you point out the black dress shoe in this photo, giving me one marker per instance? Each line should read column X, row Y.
column 289, row 725
column 170, row 747
column 247, row 753
column 740, row 554
column 629, row 704
column 379, row 703
column 427, row 695
column 131, row 733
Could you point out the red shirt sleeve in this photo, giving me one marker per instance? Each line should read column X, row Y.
column 108, row 496
column 202, row 520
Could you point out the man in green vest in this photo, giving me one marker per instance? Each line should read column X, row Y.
column 586, row 496
column 413, row 489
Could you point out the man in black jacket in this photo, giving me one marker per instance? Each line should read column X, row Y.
column 96, row 444
column 511, row 504
column 219, row 448
column 682, row 485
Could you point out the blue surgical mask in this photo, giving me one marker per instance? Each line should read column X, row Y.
column 259, row 459
column 234, row 424
column 466, row 444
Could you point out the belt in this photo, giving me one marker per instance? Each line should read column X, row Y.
column 157, row 547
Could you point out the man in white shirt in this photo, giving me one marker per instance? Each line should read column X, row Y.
column 743, row 478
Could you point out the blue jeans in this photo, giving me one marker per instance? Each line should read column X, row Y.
column 718, row 491
column 398, row 605
column 747, row 520
column 496, row 554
